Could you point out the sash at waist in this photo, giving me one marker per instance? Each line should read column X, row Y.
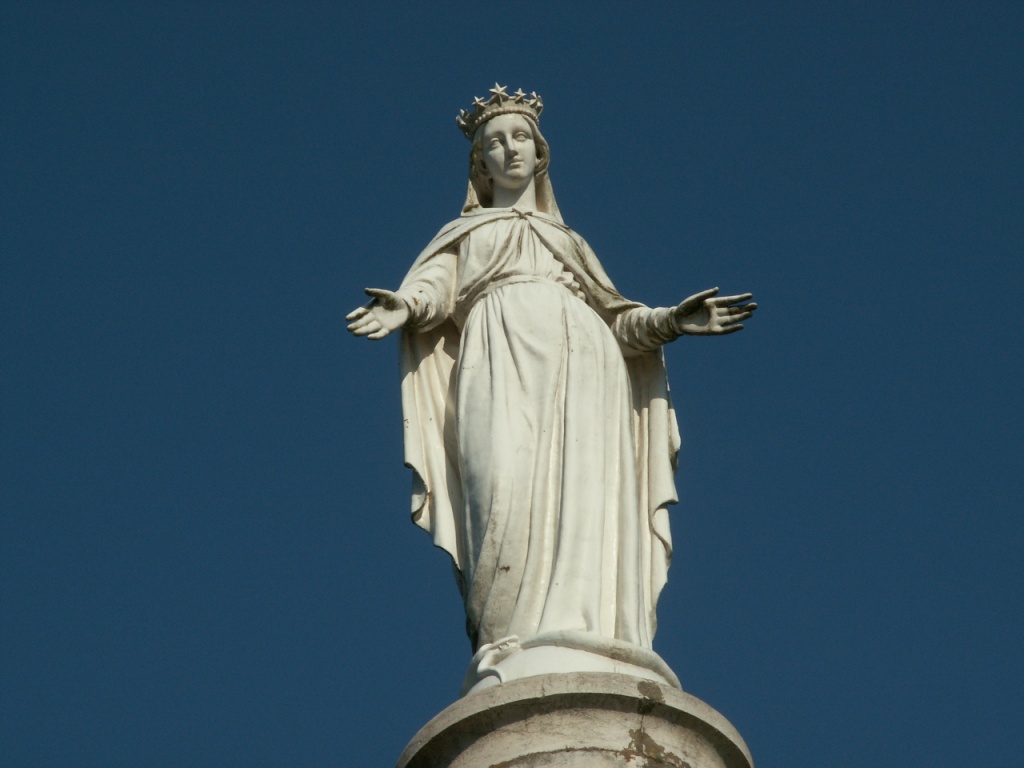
column 466, row 305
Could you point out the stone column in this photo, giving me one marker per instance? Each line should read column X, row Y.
column 578, row 720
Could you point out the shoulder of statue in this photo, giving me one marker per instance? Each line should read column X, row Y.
column 555, row 222
column 456, row 230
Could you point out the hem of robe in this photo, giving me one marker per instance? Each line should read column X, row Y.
column 511, row 658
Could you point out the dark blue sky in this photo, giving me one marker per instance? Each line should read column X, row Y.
column 206, row 553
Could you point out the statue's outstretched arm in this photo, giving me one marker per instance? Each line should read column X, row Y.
column 644, row 329
column 385, row 313
column 707, row 314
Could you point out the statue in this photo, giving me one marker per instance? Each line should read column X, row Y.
column 537, row 416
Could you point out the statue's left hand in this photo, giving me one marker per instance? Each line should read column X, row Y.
column 386, row 313
column 708, row 314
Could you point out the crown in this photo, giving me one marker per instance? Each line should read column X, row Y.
column 500, row 103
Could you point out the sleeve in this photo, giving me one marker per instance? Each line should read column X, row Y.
column 644, row 329
column 429, row 291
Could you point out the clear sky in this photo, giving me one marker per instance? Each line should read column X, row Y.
column 205, row 551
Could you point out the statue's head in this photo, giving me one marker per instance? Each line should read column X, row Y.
column 492, row 161
column 496, row 121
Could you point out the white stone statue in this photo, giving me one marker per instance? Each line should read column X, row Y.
column 537, row 417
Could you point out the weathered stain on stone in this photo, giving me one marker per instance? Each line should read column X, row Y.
column 650, row 690
column 651, row 694
column 642, row 745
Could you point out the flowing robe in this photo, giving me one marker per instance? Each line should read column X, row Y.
column 539, row 428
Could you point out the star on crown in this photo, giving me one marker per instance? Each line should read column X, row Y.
column 500, row 103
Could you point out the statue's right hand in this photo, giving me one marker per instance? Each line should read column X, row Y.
column 385, row 313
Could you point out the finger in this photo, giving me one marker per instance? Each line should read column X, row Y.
column 365, row 328
column 379, row 334
column 730, row 329
column 720, row 300
column 731, row 320
column 355, row 314
column 739, row 307
column 734, row 310
column 700, row 297
column 363, row 320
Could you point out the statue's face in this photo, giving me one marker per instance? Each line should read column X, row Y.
column 509, row 153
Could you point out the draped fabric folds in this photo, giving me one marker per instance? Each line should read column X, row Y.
column 539, row 429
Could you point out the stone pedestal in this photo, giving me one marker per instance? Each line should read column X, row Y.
column 578, row 720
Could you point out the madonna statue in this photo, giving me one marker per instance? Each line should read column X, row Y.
column 537, row 416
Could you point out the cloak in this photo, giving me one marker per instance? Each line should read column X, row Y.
column 429, row 357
